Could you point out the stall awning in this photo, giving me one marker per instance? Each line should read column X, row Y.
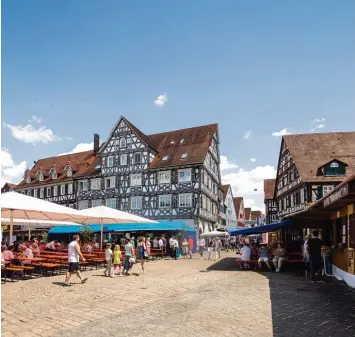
column 127, row 227
column 262, row 229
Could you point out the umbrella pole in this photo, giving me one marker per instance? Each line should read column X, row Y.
column 102, row 233
column 11, row 227
column 29, row 233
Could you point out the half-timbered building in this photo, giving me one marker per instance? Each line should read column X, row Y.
column 8, row 187
column 229, row 209
column 271, row 212
column 310, row 166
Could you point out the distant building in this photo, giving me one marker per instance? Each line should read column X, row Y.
column 239, row 209
column 271, row 212
column 229, row 209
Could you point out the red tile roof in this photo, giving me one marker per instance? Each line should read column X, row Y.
column 237, row 204
column 255, row 215
column 269, row 188
column 225, row 189
column 247, row 211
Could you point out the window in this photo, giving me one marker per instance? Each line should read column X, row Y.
column 172, row 142
column 136, row 202
column 23, row 192
column 28, row 179
column 110, row 182
column 69, row 173
column 164, row 201
column 122, row 142
column 136, row 179
column 95, row 184
column 41, row 193
column 29, row 192
column 327, row 189
column 83, row 185
column 70, row 188
column 185, row 200
column 164, row 177
column 48, row 191
column 96, row 203
column 111, row 203
column 165, row 158
column 184, row 176
column 83, row 204
column 123, row 159
column 40, row 177
column 62, row 189
column 203, row 202
column 302, row 195
column 110, row 161
column 35, row 193
column 137, row 158
column 183, row 156
column 182, row 140
column 54, row 175
column 334, row 169
column 55, row 191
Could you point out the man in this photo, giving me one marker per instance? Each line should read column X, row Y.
column 314, row 249
column 27, row 252
column 191, row 246
column 264, row 255
column 245, row 254
column 155, row 243
column 73, row 260
column 51, row 245
column 201, row 246
column 280, row 257
column 210, row 248
column 218, row 247
column 164, row 244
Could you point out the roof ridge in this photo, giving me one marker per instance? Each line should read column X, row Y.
column 194, row 127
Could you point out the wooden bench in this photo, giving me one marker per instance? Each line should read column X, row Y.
column 254, row 262
column 15, row 271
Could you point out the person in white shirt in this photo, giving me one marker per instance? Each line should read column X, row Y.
column 27, row 252
column 108, row 256
column 201, row 246
column 73, row 260
column 245, row 255
column 51, row 245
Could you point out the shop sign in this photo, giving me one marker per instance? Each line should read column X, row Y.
column 340, row 193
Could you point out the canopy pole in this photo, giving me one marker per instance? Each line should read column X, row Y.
column 11, row 226
column 102, row 233
column 29, row 233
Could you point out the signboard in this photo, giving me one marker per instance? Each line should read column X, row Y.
column 335, row 196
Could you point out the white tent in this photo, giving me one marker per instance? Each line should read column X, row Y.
column 215, row 234
column 19, row 206
column 111, row 216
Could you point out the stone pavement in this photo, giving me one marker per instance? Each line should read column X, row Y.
column 176, row 298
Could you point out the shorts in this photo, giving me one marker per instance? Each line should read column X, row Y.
column 117, row 265
column 73, row 267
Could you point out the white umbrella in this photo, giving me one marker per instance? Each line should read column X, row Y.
column 19, row 206
column 110, row 216
column 215, row 234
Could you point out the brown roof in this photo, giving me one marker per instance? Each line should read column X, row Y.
column 237, row 203
column 247, row 211
column 9, row 186
column 314, row 150
column 269, row 188
column 196, row 143
column 225, row 189
column 255, row 215
column 82, row 164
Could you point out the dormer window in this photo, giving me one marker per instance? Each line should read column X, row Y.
column 172, row 142
column 123, row 142
column 334, row 169
column 39, row 176
column 28, row 179
column 184, row 156
column 165, row 158
column 69, row 171
column 182, row 140
column 53, row 173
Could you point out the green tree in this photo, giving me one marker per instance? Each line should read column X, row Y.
column 86, row 233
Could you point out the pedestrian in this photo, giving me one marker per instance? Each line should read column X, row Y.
column 185, row 248
column 165, row 244
column 148, row 245
column 117, row 263
column 172, row 247
column 142, row 253
column 210, row 248
column 306, row 256
column 191, row 246
column 129, row 257
column 314, row 248
column 108, row 256
column 218, row 247
column 201, row 246
column 155, row 243
column 73, row 260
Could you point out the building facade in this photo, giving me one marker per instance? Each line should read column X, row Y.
column 167, row 176
column 229, row 209
column 271, row 211
column 309, row 167
column 239, row 210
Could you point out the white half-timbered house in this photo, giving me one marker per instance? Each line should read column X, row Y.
column 229, row 209
column 271, row 211
column 310, row 166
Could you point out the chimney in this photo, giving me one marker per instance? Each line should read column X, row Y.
column 96, row 143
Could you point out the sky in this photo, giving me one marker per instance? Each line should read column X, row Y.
column 260, row 69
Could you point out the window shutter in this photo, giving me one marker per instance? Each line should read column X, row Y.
column 319, row 192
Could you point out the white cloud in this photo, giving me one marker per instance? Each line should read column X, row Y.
column 318, row 120
column 320, row 126
column 227, row 164
column 280, row 133
column 82, row 147
column 250, row 184
column 253, row 160
column 35, row 119
column 32, row 135
column 247, row 134
column 10, row 171
column 161, row 100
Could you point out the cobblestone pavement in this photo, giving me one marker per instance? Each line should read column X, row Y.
column 174, row 298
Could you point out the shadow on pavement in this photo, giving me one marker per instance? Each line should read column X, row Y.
column 303, row 308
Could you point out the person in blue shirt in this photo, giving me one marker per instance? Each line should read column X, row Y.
column 264, row 255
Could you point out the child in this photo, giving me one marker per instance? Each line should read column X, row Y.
column 117, row 260
column 108, row 256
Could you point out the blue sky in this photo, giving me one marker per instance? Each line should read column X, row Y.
column 259, row 66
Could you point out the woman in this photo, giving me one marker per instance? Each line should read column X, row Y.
column 129, row 255
column 306, row 255
column 185, row 248
column 148, row 246
column 35, row 250
column 142, row 253
column 210, row 248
